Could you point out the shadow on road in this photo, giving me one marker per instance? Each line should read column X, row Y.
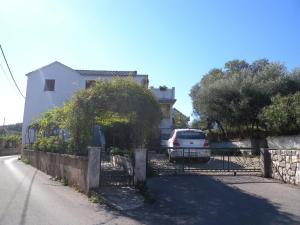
column 25, row 207
column 204, row 200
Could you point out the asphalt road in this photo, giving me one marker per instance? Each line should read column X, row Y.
column 220, row 200
column 28, row 196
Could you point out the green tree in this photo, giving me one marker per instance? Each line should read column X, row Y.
column 283, row 115
column 233, row 97
column 180, row 120
column 126, row 111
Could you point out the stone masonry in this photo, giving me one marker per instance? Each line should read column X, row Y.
column 286, row 165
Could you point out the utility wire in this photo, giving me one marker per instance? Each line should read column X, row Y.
column 11, row 72
column 7, row 77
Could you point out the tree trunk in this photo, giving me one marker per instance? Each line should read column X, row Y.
column 222, row 129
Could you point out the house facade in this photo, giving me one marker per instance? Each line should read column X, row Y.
column 166, row 99
column 52, row 85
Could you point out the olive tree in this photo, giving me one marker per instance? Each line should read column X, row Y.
column 231, row 98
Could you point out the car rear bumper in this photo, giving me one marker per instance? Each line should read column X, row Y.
column 189, row 153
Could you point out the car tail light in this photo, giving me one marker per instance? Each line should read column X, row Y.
column 205, row 143
column 175, row 142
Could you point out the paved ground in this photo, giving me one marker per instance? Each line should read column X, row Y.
column 227, row 200
column 28, row 196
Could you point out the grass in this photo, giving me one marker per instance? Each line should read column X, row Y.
column 24, row 160
column 95, row 197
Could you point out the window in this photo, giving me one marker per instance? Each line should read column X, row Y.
column 89, row 83
column 49, row 85
column 190, row 135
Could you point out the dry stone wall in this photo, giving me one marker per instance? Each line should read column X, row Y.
column 286, row 165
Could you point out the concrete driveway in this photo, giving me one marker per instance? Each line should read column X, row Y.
column 227, row 200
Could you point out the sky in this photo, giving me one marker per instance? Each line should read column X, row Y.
column 175, row 42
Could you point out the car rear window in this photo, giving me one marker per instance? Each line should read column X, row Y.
column 190, row 135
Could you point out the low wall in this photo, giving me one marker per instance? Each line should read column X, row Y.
column 10, row 151
column 245, row 143
column 284, row 142
column 285, row 165
column 73, row 169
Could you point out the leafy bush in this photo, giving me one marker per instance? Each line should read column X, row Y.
column 50, row 144
column 283, row 115
column 126, row 111
column 11, row 140
column 117, row 151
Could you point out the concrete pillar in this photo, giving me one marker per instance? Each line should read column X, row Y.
column 265, row 163
column 93, row 170
column 140, row 156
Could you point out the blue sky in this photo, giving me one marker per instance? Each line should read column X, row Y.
column 175, row 42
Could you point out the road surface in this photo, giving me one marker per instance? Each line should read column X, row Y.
column 29, row 197
column 220, row 200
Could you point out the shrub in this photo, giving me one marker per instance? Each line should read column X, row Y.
column 11, row 140
column 117, row 151
column 283, row 115
column 50, row 144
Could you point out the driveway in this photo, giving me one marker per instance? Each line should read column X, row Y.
column 218, row 200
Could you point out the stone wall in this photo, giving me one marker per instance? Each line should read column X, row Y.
column 73, row 169
column 10, row 151
column 285, row 165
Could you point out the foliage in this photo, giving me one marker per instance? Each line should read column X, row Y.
column 126, row 111
column 283, row 115
column 180, row 120
column 117, row 151
column 50, row 122
column 10, row 140
column 50, row 144
column 232, row 98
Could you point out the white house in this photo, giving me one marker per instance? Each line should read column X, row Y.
column 166, row 98
column 52, row 85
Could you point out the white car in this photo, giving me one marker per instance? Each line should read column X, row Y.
column 193, row 143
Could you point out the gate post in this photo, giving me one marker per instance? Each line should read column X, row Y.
column 93, row 170
column 140, row 159
column 265, row 162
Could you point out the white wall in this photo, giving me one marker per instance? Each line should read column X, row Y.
column 165, row 97
column 136, row 79
column 67, row 82
column 164, row 94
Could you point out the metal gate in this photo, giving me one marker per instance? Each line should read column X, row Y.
column 203, row 161
column 114, row 173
